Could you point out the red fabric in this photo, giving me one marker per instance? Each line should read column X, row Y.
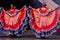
column 43, row 11
column 44, row 28
column 12, row 11
column 17, row 25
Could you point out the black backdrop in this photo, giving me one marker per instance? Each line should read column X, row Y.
column 6, row 3
column 19, row 3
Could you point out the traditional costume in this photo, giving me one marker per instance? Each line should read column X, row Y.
column 13, row 21
column 43, row 23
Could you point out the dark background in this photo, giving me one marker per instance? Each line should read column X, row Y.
column 6, row 3
column 19, row 3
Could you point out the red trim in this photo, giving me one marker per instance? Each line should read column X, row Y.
column 44, row 28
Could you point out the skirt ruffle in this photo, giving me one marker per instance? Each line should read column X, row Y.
column 16, row 32
column 45, row 34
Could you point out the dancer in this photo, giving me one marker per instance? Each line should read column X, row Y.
column 43, row 20
column 13, row 21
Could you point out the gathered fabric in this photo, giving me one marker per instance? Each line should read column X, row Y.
column 42, row 22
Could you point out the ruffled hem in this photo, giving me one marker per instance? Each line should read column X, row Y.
column 45, row 34
column 16, row 32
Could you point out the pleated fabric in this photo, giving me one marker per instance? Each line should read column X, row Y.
column 13, row 21
column 43, row 23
